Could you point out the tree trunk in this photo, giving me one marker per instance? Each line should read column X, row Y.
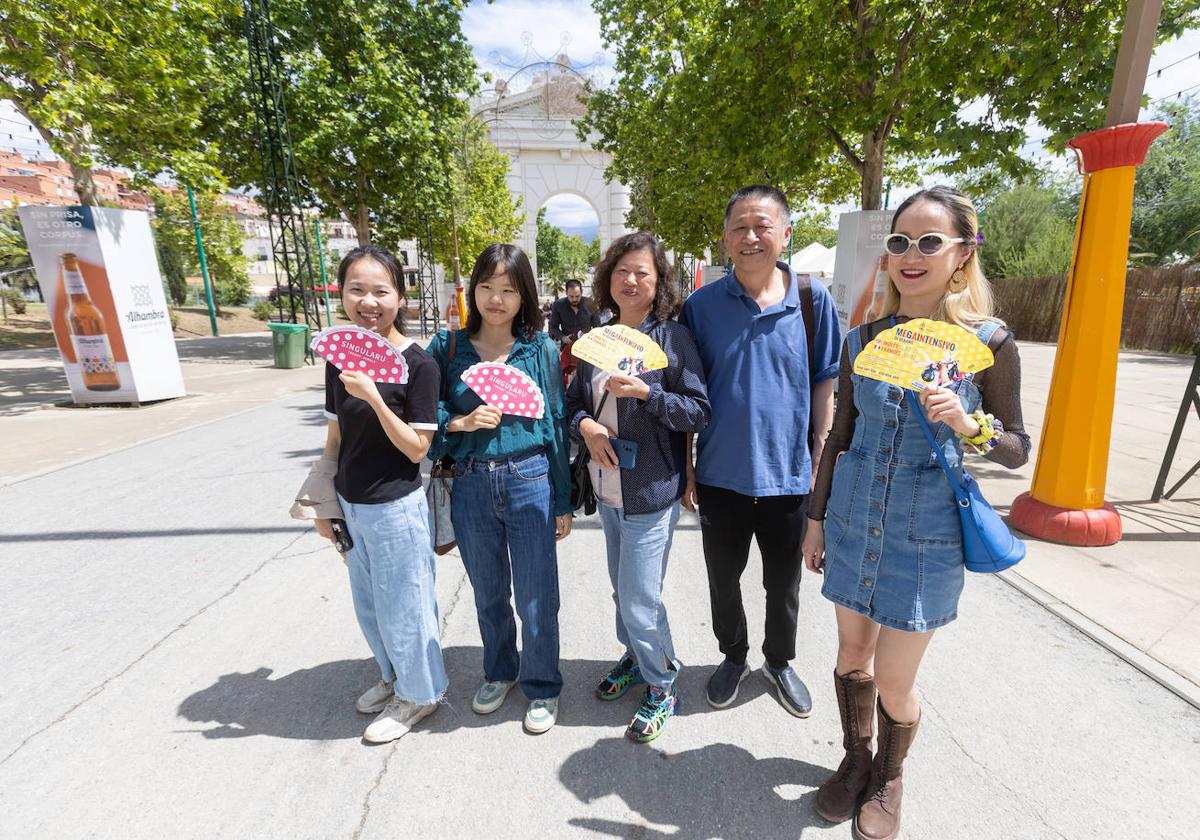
column 85, row 187
column 362, row 224
column 81, row 175
column 872, row 173
column 362, row 212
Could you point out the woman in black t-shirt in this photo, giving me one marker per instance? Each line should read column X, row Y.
column 379, row 432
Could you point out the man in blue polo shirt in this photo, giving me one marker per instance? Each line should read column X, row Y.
column 753, row 468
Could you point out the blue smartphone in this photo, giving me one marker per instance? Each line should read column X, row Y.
column 626, row 452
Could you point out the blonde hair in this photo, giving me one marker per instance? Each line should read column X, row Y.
column 975, row 304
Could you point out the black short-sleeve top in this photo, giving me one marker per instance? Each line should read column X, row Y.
column 371, row 470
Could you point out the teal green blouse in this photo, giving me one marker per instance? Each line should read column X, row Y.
column 537, row 357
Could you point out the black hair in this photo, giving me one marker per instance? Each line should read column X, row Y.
column 759, row 191
column 500, row 258
column 390, row 264
column 666, row 292
column 573, row 284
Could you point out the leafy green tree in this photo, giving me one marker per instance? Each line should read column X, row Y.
column 375, row 92
column 482, row 210
column 116, row 82
column 593, row 251
column 811, row 225
column 1166, row 194
column 1026, row 232
column 560, row 256
column 824, row 98
column 15, row 264
column 228, row 266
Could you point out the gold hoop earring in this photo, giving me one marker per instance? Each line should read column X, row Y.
column 958, row 280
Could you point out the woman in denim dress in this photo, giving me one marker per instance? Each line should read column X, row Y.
column 885, row 530
column 639, row 506
column 512, row 487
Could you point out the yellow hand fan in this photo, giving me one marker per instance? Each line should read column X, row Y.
column 619, row 349
column 923, row 353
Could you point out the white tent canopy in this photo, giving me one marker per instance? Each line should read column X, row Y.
column 815, row 259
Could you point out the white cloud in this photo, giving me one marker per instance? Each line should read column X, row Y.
column 573, row 214
column 508, row 34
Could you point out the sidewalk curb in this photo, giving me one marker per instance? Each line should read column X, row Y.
column 1176, row 683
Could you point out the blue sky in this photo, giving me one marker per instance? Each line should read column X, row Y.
column 507, row 33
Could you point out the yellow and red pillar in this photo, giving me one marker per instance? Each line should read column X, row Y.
column 1066, row 503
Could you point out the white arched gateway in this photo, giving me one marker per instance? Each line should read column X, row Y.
column 536, row 129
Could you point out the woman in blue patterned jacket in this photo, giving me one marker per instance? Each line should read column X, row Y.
column 651, row 414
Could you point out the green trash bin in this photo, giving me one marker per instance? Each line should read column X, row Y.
column 290, row 342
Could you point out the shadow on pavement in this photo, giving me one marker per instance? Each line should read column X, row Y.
column 315, row 704
column 25, row 389
column 312, row 415
column 147, row 533
column 720, row 790
column 318, row 703
column 226, row 349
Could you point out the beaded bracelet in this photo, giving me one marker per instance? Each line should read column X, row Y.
column 990, row 432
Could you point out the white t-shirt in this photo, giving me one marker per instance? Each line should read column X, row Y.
column 606, row 483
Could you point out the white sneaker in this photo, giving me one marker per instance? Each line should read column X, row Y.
column 375, row 698
column 490, row 697
column 541, row 715
column 396, row 719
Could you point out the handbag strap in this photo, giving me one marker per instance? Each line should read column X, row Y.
column 915, row 407
column 959, row 491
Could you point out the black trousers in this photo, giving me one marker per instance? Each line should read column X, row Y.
column 728, row 520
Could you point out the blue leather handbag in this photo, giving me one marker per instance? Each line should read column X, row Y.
column 988, row 545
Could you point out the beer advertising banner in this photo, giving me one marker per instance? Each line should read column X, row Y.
column 859, row 286
column 98, row 272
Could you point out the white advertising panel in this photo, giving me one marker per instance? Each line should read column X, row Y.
column 858, row 286
column 98, row 272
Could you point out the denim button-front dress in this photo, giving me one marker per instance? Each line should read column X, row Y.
column 893, row 543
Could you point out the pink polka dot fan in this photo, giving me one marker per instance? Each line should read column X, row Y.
column 506, row 388
column 355, row 348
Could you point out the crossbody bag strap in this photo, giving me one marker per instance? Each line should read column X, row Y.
column 808, row 311
column 916, row 409
column 451, row 346
column 919, row 413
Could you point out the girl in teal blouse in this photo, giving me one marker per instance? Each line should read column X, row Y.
column 511, row 497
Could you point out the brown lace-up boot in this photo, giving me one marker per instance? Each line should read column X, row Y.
column 879, row 816
column 838, row 796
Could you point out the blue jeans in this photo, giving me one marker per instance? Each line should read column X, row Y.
column 392, row 582
column 504, row 525
column 638, row 547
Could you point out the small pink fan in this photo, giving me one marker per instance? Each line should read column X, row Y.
column 353, row 348
column 506, row 388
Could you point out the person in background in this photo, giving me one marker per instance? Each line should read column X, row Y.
column 571, row 316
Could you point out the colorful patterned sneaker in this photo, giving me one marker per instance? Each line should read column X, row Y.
column 490, row 697
column 542, row 715
column 623, row 676
column 651, row 718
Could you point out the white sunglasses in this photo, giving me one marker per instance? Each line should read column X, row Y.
column 928, row 244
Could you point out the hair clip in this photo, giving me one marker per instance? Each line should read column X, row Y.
column 979, row 238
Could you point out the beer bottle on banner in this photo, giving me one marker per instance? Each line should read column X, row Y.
column 89, row 336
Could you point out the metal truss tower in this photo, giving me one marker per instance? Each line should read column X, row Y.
column 427, row 299
column 280, row 187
